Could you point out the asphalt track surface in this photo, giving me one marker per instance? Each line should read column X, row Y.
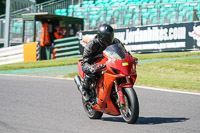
column 47, row 105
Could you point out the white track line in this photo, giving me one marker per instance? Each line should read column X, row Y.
column 166, row 90
column 141, row 87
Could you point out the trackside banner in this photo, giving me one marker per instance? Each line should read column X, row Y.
column 158, row 38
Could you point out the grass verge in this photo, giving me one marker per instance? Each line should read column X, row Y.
column 40, row 64
column 73, row 61
column 165, row 55
column 71, row 75
column 176, row 74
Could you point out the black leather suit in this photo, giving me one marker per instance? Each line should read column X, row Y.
column 92, row 51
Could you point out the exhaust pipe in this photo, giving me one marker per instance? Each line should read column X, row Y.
column 77, row 80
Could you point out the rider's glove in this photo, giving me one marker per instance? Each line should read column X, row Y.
column 93, row 70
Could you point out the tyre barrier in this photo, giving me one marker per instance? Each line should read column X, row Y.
column 67, row 47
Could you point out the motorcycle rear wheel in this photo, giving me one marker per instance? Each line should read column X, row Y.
column 91, row 113
column 130, row 111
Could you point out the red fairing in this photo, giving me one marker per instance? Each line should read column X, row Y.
column 126, row 70
column 133, row 71
column 120, row 93
column 120, row 65
column 82, row 74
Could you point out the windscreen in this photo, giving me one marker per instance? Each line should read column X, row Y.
column 115, row 51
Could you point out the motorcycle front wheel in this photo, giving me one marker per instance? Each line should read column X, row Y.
column 130, row 110
column 91, row 113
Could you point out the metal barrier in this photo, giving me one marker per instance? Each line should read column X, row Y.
column 67, row 47
column 11, row 55
column 23, row 53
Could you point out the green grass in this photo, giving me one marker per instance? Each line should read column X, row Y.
column 73, row 61
column 71, row 75
column 165, row 55
column 40, row 64
column 177, row 74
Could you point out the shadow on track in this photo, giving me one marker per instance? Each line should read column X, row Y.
column 149, row 120
column 160, row 120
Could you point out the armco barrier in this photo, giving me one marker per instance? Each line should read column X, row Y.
column 67, row 47
column 21, row 53
column 11, row 55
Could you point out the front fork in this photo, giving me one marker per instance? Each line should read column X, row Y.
column 120, row 94
column 118, row 90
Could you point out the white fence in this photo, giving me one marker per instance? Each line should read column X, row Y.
column 13, row 54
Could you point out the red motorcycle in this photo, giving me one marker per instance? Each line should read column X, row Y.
column 112, row 90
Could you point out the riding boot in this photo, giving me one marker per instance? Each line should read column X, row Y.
column 85, row 88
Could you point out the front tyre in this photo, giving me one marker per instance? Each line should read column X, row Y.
column 130, row 110
column 91, row 113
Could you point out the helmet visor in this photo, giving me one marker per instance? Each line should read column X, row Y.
column 108, row 39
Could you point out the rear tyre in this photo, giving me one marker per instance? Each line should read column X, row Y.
column 130, row 110
column 91, row 113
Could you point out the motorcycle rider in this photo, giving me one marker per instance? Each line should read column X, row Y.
column 94, row 50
